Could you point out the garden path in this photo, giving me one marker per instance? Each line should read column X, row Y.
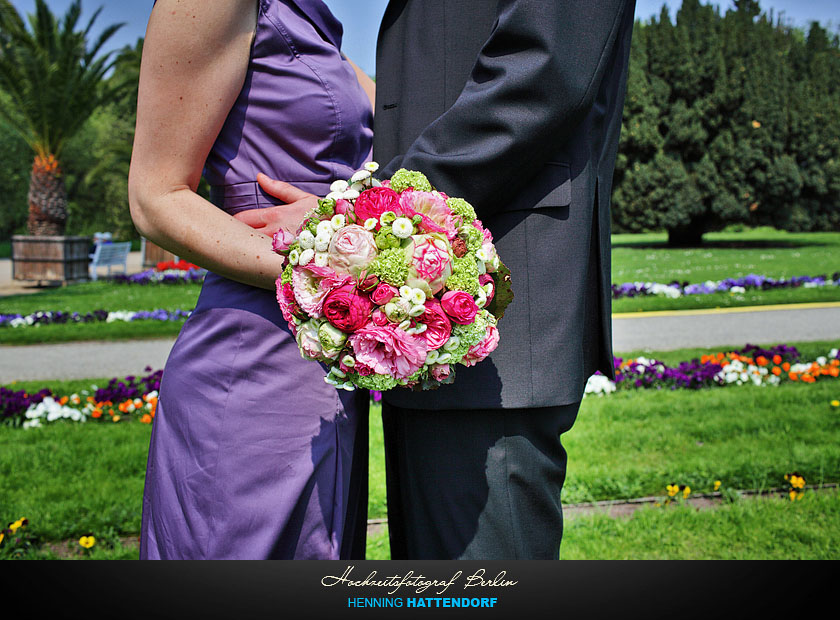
column 660, row 331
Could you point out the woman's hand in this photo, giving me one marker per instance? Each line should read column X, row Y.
column 195, row 60
column 286, row 217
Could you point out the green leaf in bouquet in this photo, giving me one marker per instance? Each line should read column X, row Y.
column 504, row 291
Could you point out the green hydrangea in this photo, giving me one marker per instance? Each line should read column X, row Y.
column 464, row 275
column 472, row 236
column 286, row 276
column 391, row 266
column 461, row 207
column 469, row 336
column 403, row 179
column 375, row 382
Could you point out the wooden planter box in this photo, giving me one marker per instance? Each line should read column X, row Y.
column 50, row 258
column 154, row 254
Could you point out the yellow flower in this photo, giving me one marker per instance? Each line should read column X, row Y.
column 2, row 536
column 717, row 484
column 686, row 491
column 756, row 124
column 835, row 403
column 116, row 418
column 14, row 526
column 87, row 541
column 797, row 482
column 673, row 489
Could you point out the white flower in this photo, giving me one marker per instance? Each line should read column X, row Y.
column 338, row 221
column 324, row 228
column 432, row 356
column 322, row 259
column 370, row 223
column 294, row 257
column 322, row 241
column 599, row 384
column 481, row 298
column 453, row 343
column 405, row 291
column 306, row 240
column 375, row 183
column 371, row 166
column 350, row 194
column 306, row 257
column 335, row 195
column 338, row 186
column 418, row 297
column 360, row 176
column 359, row 187
column 403, row 228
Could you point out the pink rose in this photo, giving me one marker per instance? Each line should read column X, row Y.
column 379, row 318
column 440, row 372
column 375, row 201
column 438, row 325
column 281, row 240
column 383, row 293
column 484, row 348
column 430, row 262
column 342, row 207
column 436, row 215
column 347, row 309
column 352, row 249
column 460, row 307
column 306, row 285
column 308, row 341
column 388, row 350
column 484, row 279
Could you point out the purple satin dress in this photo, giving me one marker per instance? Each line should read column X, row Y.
column 252, row 453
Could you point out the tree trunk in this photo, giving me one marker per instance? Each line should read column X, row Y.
column 682, row 237
column 47, row 198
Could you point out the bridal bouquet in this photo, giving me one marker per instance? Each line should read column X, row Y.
column 391, row 283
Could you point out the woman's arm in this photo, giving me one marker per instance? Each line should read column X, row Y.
column 195, row 60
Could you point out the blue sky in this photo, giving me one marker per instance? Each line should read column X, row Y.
column 361, row 18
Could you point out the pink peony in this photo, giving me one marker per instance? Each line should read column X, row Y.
column 286, row 300
column 484, row 348
column 347, row 308
column 383, row 293
column 438, row 326
column 306, row 284
column 352, row 249
column 375, row 201
column 460, row 306
column 388, row 350
column 430, row 262
column 436, row 215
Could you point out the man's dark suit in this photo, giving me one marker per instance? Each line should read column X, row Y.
column 515, row 106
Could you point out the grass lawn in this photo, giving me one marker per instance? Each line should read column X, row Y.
column 762, row 251
column 70, row 479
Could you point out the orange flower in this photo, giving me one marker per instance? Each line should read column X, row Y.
column 793, row 376
column 808, row 378
column 776, row 371
column 761, row 360
column 146, row 419
column 786, row 366
column 97, row 413
column 834, row 372
column 777, row 359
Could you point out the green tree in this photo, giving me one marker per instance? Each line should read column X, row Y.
column 54, row 82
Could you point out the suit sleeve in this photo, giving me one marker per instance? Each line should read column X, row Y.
column 534, row 81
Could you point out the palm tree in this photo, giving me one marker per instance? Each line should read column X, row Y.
column 54, row 82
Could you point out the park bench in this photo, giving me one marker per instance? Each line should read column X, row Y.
column 108, row 255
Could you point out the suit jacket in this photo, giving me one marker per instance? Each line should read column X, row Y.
column 515, row 106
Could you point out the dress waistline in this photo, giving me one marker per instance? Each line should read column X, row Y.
column 249, row 195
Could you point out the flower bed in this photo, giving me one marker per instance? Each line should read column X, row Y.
column 130, row 398
column 730, row 285
column 169, row 272
column 37, row 319
column 750, row 365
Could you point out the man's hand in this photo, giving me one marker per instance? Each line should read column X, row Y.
column 288, row 216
